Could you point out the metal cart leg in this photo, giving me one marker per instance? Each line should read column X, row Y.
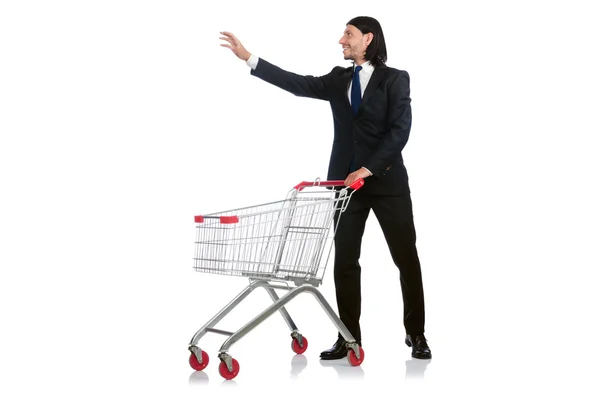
column 300, row 340
column 351, row 343
column 208, row 327
column 282, row 310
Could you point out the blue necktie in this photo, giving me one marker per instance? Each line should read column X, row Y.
column 355, row 98
column 355, row 92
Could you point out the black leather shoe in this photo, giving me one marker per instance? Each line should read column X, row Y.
column 339, row 350
column 419, row 346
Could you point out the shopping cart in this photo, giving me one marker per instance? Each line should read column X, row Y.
column 277, row 245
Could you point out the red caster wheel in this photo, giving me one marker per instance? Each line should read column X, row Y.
column 224, row 371
column 353, row 360
column 296, row 346
column 195, row 364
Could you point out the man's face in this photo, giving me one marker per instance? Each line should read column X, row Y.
column 354, row 43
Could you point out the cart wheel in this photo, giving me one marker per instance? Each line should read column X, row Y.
column 353, row 360
column 296, row 346
column 195, row 364
column 224, row 371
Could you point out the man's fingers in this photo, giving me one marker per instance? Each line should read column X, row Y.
column 351, row 178
column 232, row 44
column 229, row 37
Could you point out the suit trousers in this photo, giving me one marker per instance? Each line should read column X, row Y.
column 395, row 216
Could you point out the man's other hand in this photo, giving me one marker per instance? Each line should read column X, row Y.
column 358, row 174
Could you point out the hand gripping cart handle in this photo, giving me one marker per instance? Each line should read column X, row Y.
column 277, row 245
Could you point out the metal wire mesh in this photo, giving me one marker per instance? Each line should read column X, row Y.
column 282, row 240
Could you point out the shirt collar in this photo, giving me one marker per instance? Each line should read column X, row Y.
column 366, row 67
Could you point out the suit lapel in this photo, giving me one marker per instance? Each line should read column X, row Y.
column 347, row 81
column 378, row 75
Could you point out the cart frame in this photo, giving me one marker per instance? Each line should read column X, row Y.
column 306, row 281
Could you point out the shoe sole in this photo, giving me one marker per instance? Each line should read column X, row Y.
column 328, row 357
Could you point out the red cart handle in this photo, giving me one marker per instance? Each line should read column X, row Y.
column 357, row 184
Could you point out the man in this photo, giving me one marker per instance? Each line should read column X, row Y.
column 372, row 118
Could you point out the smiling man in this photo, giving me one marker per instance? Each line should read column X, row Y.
column 371, row 108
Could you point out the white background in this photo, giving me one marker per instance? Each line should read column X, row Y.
column 121, row 120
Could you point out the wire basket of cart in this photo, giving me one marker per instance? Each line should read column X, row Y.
column 284, row 245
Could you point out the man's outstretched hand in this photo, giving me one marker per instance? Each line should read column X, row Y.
column 234, row 45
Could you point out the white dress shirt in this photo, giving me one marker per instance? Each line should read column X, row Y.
column 364, row 75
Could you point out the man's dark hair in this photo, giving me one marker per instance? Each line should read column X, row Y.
column 376, row 51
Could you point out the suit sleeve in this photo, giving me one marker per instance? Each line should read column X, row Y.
column 399, row 120
column 302, row 86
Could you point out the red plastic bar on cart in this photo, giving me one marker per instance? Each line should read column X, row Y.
column 355, row 185
column 234, row 219
column 222, row 219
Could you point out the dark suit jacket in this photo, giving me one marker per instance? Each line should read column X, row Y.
column 376, row 136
